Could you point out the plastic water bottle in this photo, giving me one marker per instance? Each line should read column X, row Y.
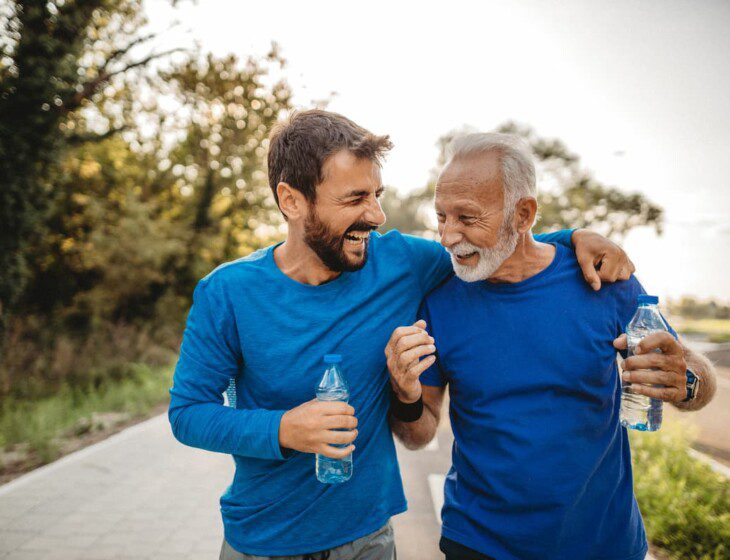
column 333, row 387
column 638, row 411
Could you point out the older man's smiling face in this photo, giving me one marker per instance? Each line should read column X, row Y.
column 472, row 221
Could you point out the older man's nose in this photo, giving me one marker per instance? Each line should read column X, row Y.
column 450, row 236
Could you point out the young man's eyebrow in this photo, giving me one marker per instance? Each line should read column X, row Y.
column 362, row 192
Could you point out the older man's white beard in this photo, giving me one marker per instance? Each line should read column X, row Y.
column 490, row 259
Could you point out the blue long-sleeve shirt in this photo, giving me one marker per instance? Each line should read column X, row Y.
column 252, row 323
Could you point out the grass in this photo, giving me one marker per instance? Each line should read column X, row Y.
column 717, row 330
column 40, row 427
column 685, row 505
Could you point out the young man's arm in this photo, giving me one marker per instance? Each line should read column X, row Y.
column 209, row 358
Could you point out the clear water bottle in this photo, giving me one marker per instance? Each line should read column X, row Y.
column 333, row 387
column 638, row 411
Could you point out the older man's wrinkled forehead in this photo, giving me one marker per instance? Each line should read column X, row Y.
column 477, row 177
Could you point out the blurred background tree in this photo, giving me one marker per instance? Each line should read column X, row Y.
column 127, row 174
column 568, row 194
column 57, row 58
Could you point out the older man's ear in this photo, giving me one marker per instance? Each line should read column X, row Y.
column 525, row 212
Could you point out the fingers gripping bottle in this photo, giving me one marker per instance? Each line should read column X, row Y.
column 333, row 387
column 638, row 411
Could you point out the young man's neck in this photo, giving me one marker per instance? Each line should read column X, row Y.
column 297, row 260
column 529, row 258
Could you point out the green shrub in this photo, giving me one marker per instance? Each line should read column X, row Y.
column 40, row 426
column 685, row 505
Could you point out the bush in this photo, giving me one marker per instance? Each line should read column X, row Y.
column 39, row 427
column 685, row 505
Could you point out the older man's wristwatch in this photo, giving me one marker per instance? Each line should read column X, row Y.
column 693, row 383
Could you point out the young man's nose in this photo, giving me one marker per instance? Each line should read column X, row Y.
column 374, row 214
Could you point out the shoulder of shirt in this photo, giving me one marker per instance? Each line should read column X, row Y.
column 446, row 290
column 383, row 244
column 398, row 242
column 233, row 272
column 617, row 290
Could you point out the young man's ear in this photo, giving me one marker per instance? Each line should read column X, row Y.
column 291, row 201
column 525, row 213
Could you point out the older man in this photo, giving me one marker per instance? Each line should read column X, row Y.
column 541, row 466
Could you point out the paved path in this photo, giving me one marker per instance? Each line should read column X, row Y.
column 138, row 495
column 142, row 495
column 711, row 423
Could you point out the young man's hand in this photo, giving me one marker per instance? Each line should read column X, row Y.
column 600, row 259
column 313, row 427
column 406, row 347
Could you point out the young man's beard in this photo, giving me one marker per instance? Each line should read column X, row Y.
column 329, row 246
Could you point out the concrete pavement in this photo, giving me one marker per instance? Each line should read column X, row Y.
column 137, row 495
column 142, row 495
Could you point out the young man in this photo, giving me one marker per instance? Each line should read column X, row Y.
column 267, row 320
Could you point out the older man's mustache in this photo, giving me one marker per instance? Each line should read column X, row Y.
column 464, row 248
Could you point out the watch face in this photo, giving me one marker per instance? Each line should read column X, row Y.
column 692, row 381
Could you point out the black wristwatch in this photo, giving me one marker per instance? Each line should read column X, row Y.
column 693, row 383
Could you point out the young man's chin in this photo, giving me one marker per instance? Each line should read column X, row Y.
column 355, row 259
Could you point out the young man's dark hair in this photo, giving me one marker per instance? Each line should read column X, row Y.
column 299, row 147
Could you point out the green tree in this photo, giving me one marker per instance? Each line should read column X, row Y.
column 139, row 217
column 57, row 58
column 219, row 167
column 568, row 194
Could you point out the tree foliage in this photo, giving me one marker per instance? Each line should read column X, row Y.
column 569, row 196
column 56, row 59
column 132, row 182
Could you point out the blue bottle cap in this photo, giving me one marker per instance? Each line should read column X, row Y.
column 645, row 299
column 332, row 358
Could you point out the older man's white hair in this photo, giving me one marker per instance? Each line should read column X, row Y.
column 518, row 168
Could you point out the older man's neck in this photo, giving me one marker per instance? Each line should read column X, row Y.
column 529, row 258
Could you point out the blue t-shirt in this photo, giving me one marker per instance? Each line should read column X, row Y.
column 252, row 323
column 541, row 466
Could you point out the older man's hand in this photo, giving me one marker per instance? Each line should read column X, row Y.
column 406, row 347
column 600, row 259
column 648, row 368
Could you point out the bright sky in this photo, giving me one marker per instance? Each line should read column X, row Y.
column 641, row 90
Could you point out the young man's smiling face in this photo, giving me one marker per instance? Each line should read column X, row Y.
column 345, row 211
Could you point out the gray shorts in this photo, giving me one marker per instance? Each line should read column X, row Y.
column 379, row 545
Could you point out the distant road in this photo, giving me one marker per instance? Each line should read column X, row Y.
column 712, row 422
column 720, row 354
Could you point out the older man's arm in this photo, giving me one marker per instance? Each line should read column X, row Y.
column 663, row 376
column 705, row 372
column 409, row 353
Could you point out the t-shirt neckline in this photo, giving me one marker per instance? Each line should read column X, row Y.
column 333, row 284
column 532, row 280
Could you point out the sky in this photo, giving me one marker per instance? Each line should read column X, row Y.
column 640, row 90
